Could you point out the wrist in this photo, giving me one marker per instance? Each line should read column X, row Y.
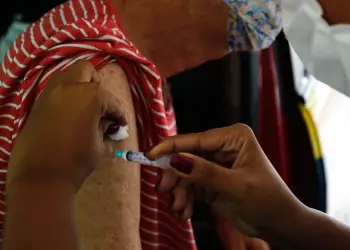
column 311, row 229
column 287, row 227
column 290, row 232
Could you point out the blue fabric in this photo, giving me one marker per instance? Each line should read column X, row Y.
column 253, row 24
column 7, row 40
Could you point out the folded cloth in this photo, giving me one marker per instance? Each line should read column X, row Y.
column 89, row 30
column 253, row 24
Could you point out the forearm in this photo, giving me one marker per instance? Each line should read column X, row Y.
column 40, row 215
column 336, row 11
column 313, row 230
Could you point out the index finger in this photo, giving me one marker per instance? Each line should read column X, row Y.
column 211, row 140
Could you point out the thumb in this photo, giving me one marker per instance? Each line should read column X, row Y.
column 207, row 174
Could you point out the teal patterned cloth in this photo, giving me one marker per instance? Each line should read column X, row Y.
column 253, row 24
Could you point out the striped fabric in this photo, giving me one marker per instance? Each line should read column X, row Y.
column 89, row 30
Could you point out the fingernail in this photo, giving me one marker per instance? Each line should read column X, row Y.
column 181, row 163
column 122, row 121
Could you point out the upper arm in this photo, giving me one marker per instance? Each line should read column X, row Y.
column 108, row 204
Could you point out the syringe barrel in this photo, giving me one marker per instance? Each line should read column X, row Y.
column 139, row 157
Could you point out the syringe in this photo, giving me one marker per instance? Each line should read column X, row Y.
column 139, row 157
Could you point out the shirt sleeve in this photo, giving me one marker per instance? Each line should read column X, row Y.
column 253, row 24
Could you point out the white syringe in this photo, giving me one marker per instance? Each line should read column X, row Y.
column 139, row 157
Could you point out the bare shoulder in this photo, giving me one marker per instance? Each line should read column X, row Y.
column 113, row 78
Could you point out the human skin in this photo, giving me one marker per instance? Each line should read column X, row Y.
column 191, row 46
column 43, row 180
column 185, row 33
column 178, row 34
column 336, row 11
column 200, row 36
column 108, row 204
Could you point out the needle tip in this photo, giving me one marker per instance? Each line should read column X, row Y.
column 119, row 153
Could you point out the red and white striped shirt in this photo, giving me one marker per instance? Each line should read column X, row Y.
column 89, row 30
